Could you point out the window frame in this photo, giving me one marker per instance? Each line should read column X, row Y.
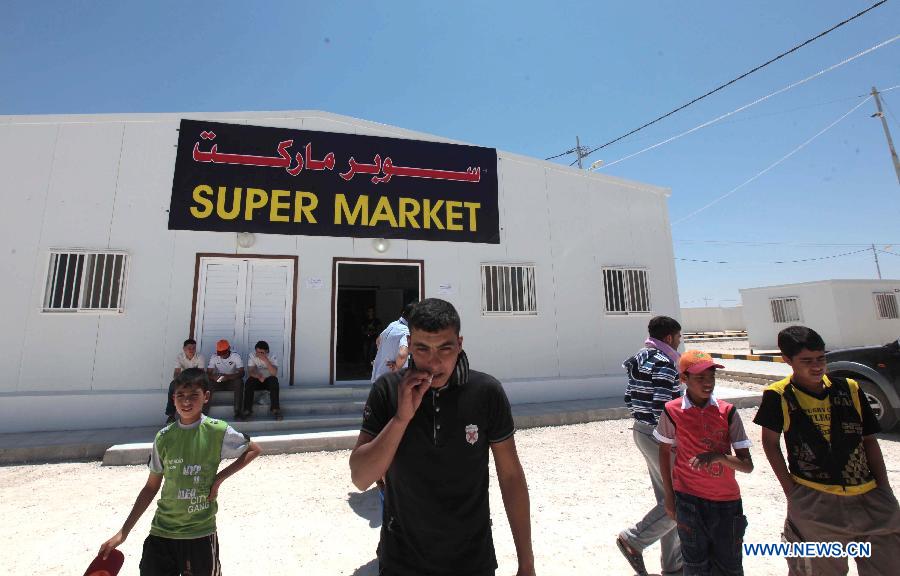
column 795, row 299
column 880, row 308
column 86, row 262
column 623, row 290
column 526, row 300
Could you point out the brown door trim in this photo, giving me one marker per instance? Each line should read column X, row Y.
column 334, row 267
column 296, row 260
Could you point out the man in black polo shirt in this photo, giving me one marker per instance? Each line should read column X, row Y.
column 426, row 431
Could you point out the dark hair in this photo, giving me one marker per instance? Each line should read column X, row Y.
column 189, row 341
column 262, row 345
column 662, row 326
column 407, row 310
column 192, row 377
column 794, row 339
column 434, row 315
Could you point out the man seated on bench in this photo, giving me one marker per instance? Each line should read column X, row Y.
column 226, row 372
column 188, row 358
column 263, row 368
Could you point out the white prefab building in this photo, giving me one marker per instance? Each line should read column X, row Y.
column 713, row 319
column 847, row 313
column 100, row 290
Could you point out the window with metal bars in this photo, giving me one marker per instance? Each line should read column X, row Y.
column 886, row 305
column 508, row 290
column 627, row 290
column 785, row 310
column 85, row 281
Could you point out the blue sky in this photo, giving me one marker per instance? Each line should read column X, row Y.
column 528, row 77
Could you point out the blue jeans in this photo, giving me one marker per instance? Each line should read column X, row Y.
column 711, row 534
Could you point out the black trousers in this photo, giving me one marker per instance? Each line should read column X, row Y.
column 253, row 384
column 237, row 385
column 170, row 404
column 171, row 557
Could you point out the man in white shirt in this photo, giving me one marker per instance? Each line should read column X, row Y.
column 226, row 372
column 263, row 368
column 187, row 358
column 393, row 345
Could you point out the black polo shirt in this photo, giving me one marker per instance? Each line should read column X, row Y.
column 436, row 513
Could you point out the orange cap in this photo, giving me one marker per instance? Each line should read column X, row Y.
column 222, row 345
column 695, row 361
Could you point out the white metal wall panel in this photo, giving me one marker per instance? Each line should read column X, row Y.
column 139, row 227
column 269, row 311
column 28, row 151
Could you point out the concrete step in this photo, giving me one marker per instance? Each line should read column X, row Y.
column 295, row 433
column 294, row 408
column 288, row 442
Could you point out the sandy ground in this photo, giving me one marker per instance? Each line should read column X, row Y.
column 737, row 346
column 299, row 514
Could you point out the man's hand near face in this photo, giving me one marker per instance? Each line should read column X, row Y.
column 410, row 391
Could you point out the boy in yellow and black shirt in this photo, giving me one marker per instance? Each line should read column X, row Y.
column 835, row 478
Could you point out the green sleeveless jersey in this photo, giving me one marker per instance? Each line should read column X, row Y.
column 190, row 460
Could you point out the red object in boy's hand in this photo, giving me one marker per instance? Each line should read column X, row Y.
column 108, row 567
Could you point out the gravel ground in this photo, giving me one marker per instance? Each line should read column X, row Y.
column 299, row 513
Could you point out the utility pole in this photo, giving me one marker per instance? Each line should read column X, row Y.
column 581, row 151
column 706, row 300
column 887, row 134
column 877, row 266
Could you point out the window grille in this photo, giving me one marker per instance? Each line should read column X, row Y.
column 627, row 290
column 785, row 310
column 85, row 281
column 886, row 305
column 508, row 289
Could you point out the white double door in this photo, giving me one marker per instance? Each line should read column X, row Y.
column 245, row 300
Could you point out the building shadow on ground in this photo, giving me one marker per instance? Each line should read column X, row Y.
column 367, row 505
column 368, row 569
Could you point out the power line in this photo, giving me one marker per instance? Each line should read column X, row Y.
column 758, row 100
column 798, row 261
column 730, row 82
column 797, row 244
column 770, row 166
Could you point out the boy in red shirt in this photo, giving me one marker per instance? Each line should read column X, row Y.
column 702, row 494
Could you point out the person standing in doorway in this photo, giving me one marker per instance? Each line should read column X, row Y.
column 653, row 381
column 370, row 328
column 393, row 345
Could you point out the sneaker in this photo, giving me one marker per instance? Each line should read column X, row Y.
column 635, row 558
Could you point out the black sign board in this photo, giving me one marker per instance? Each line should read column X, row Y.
column 239, row 178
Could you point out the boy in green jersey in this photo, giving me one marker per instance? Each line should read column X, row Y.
column 187, row 454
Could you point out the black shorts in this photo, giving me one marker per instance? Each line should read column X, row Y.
column 173, row 557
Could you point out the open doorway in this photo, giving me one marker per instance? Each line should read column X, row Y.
column 369, row 295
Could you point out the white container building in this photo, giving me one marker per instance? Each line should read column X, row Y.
column 99, row 292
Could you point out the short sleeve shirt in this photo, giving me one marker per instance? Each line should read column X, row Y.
column 773, row 414
column 233, row 445
column 773, row 411
column 228, row 365
column 665, row 430
column 254, row 362
column 437, row 517
column 182, row 362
